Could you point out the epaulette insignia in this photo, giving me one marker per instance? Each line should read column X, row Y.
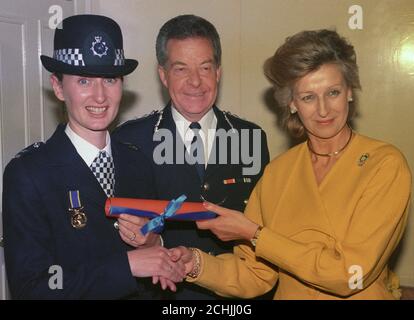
column 228, row 113
column 160, row 115
column 153, row 112
column 139, row 118
column 225, row 113
column 29, row 149
column 130, row 145
column 232, row 114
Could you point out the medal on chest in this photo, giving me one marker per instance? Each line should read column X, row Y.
column 78, row 217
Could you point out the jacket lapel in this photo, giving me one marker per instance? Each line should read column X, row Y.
column 125, row 167
column 121, row 168
column 168, row 123
column 213, row 165
column 301, row 184
column 74, row 174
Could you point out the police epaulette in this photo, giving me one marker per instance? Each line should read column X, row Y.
column 33, row 147
column 233, row 115
column 147, row 115
column 137, row 119
column 226, row 113
column 130, row 145
column 153, row 112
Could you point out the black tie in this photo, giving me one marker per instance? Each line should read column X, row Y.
column 197, row 149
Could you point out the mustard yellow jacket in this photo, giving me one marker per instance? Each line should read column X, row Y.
column 329, row 241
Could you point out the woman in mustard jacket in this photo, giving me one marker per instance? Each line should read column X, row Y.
column 327, row 214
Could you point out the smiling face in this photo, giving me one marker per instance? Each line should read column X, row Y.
column 191, row 76
column 92, row 102
column 321, row 100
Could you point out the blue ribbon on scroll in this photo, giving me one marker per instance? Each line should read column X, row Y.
column 116, row 206
column 157, row 224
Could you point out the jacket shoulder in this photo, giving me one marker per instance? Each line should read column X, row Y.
column 29, row 157
column 142, row 123
column 380, row 151
column 31, row 150
column 238, row 121
column 124, row 145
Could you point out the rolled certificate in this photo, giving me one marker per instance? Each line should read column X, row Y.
column 158, row 211
column 153, row 208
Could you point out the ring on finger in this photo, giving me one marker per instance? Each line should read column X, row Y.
column 133, row 236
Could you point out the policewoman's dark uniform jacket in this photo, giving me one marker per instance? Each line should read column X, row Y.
column 223, row 184
column 37, row 228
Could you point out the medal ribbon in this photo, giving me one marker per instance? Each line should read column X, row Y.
column 74, row 198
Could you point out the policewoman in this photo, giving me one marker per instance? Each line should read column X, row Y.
column 189, row 65
column 58, row 242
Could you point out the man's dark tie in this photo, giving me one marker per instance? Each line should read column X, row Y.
column 197, row 148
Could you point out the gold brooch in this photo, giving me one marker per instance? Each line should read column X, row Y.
column 363, row 159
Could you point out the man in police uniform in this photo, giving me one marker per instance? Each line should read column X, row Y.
column 58, row 242
column 189, row 56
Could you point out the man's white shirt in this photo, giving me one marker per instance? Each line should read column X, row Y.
column 208, row 125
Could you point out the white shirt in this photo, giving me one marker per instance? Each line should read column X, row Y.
column 208, row 125
column 85, row 149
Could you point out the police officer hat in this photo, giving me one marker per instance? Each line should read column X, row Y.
column 89, row 45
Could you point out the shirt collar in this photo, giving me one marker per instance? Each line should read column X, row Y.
column 85, row 149
column 207, row 122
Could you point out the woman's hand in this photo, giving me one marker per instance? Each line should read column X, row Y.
column 229, row 224
column 130, row 231
column 179, row 254
column 184, row 255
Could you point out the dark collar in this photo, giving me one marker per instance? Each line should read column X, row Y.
column 60, row 149
column 222, row 120
column 75, row 174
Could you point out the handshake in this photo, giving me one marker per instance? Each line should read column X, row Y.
column 169, row 266
column 166, row 266
column 150, row 258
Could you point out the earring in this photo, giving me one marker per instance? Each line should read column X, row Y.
column 350, row 99
column 293, row 110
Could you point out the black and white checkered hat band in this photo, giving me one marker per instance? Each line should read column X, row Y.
column 75, row 58
column 119, row 57
column 69, row 56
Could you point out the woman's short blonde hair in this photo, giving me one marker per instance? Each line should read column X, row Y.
column 301, row 54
